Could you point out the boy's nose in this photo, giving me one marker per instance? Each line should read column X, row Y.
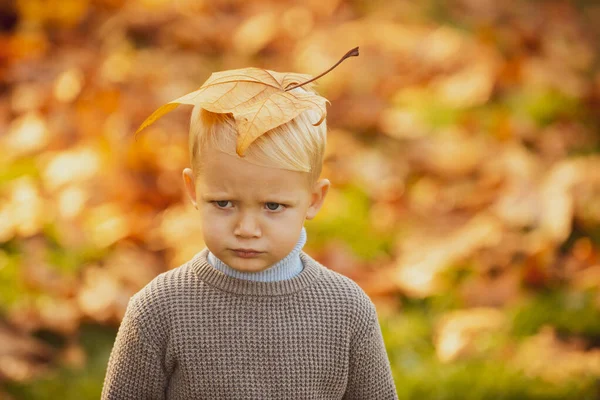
column 247, row 226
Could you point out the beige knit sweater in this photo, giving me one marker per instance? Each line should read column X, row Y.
column 197, row 333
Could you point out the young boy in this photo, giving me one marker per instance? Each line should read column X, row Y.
column 251, row 316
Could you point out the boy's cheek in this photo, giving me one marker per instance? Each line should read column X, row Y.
column 214, row 224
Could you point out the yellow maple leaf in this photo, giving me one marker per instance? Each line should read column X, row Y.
column 259, row 100
column 255, row 97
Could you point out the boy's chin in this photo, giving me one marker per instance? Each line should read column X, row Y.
column 248, row 264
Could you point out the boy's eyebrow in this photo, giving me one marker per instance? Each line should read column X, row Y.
column 224, row 196
column 214, row 195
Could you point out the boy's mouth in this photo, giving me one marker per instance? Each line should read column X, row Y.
column 246, row 253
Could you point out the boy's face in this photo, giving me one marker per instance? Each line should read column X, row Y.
column 245, row 206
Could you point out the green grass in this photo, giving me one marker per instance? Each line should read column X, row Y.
column 420, row 375
column 72, row 383
column 347, row 218
column 570, row 312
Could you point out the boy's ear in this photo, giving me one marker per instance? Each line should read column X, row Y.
column 190, row 187
column 317, row 197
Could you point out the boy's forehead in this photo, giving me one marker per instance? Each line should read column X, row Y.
column 221, row 171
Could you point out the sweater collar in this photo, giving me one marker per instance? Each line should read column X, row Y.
column 212, row 276
column 286, row 268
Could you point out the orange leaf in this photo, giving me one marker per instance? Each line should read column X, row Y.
column 156, row 115
column 257, row 99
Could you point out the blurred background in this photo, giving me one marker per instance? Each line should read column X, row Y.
column 464, row 153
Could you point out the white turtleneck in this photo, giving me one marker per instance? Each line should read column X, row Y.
column 286, row 268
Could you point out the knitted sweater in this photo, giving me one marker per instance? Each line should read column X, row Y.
column 197, row 333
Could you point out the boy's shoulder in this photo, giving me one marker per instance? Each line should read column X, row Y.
column 164, row 289
column 340, row 288
column 335, row 279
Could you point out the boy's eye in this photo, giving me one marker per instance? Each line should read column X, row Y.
column 273, row 206
column 270, row 205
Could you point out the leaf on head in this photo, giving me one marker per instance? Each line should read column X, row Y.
column 258, row 99
column 255, row 97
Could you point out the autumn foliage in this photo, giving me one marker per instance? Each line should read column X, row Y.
column 463, row 149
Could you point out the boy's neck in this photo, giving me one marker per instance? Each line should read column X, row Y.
column 286, row 268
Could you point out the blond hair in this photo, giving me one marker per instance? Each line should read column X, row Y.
column 297, row 145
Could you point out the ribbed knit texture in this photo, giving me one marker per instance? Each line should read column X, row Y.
column 197, row 333
column 286, row 268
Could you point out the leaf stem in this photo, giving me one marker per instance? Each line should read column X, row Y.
column 351, row 53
